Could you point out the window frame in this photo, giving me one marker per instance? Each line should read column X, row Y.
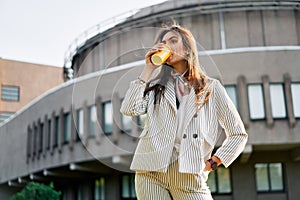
column 104, row 118
column 217, row 182
column 293, row 102
column 284, row 100
column 236, row 102
column 263, row 102
column 269, row 179
column 10, row 100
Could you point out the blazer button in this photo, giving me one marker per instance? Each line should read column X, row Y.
column 184, row 136
column 195, row 135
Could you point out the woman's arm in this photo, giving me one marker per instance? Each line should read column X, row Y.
column 230, row 120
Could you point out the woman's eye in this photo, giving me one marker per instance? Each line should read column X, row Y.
column 173, row 41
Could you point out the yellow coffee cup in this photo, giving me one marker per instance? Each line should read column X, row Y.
column 161, row 56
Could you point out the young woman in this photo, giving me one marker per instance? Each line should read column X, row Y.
column 184, row 108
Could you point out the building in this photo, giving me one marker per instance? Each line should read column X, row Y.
column 76, row 137
column 21, row 82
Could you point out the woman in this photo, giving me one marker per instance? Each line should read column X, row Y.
column 184, row 109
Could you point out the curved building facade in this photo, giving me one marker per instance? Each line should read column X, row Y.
column 75, row 136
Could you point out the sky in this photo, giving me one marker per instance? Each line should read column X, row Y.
column 40, row 31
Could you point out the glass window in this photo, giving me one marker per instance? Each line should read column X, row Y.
column 108, row 118
column 127, row 123
column 231, row 91
column 10, row 93
column 80, row 124
column 296, row 98
column 67, row 127
column 41, row 142
column 142, row 120
column 256, row 101
column 100, row 189
column 56, row 132
column 92, row 120
column 269, row 177
column 219, row 181
column 277, row 101
column 49, row 134
column 128, row 187
column 5, row 115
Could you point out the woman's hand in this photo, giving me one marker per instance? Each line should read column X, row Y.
column 150, row 67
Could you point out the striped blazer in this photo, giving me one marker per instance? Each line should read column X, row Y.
column 201, row 129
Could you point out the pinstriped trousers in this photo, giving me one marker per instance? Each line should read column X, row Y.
column 170, row 185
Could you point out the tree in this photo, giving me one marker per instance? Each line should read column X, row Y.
column 37, row 191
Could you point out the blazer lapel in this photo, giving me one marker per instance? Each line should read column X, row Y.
column 189, row 102
column 170, row 94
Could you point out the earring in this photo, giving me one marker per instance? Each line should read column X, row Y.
column 187, row 54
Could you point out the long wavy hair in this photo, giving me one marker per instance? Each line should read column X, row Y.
column 195, row 75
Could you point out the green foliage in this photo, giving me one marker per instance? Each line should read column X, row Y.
column 37, row 191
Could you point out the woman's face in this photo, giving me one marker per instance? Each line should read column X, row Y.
column 174, row 41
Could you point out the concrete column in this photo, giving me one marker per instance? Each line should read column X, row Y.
column 289, row 100
column 117, row 120
column 73, row 116
column 267, row 100
column 34, row 130
column 85, row 124
column 243, row 100
column 100, row 132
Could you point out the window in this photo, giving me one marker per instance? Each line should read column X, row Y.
column 5, row 115
column 128, row 188
column 219, row 181
column 142, row 121
column 296, row 98
column 49, row 134
column 100, row 189
column 277, row 101
column 41, row 137
column 231, row 91
column 256, row 101
column 10, row 93
column 269, row 177
column 67, row 128
column 126, row 123
column 108, row 118
column 56, row 132
column 92, row 120
column 80, row 124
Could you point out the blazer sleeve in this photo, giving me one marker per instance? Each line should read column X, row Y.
column 135, row 103
column 230, row 120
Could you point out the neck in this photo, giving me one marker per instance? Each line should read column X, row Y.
column 180, row 67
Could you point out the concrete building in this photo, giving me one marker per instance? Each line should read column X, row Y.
column 75, row 136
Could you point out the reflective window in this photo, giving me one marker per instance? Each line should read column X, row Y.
column 41, row 137
column 269, row 177
column 92, row 120
column 108, row 118
column 67, row 127
column 127, row 123
column 80, row 124
column 49, row 134
column 56, row 131
column 296, row 98
column 128, row 188
column 10, row 93
column 100, row 189
column 231, row 91
column 219, row 181
column 277, row 101
column 142, row 120
column 256, row 101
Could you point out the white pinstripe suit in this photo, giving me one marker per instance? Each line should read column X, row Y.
column 200, row 132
